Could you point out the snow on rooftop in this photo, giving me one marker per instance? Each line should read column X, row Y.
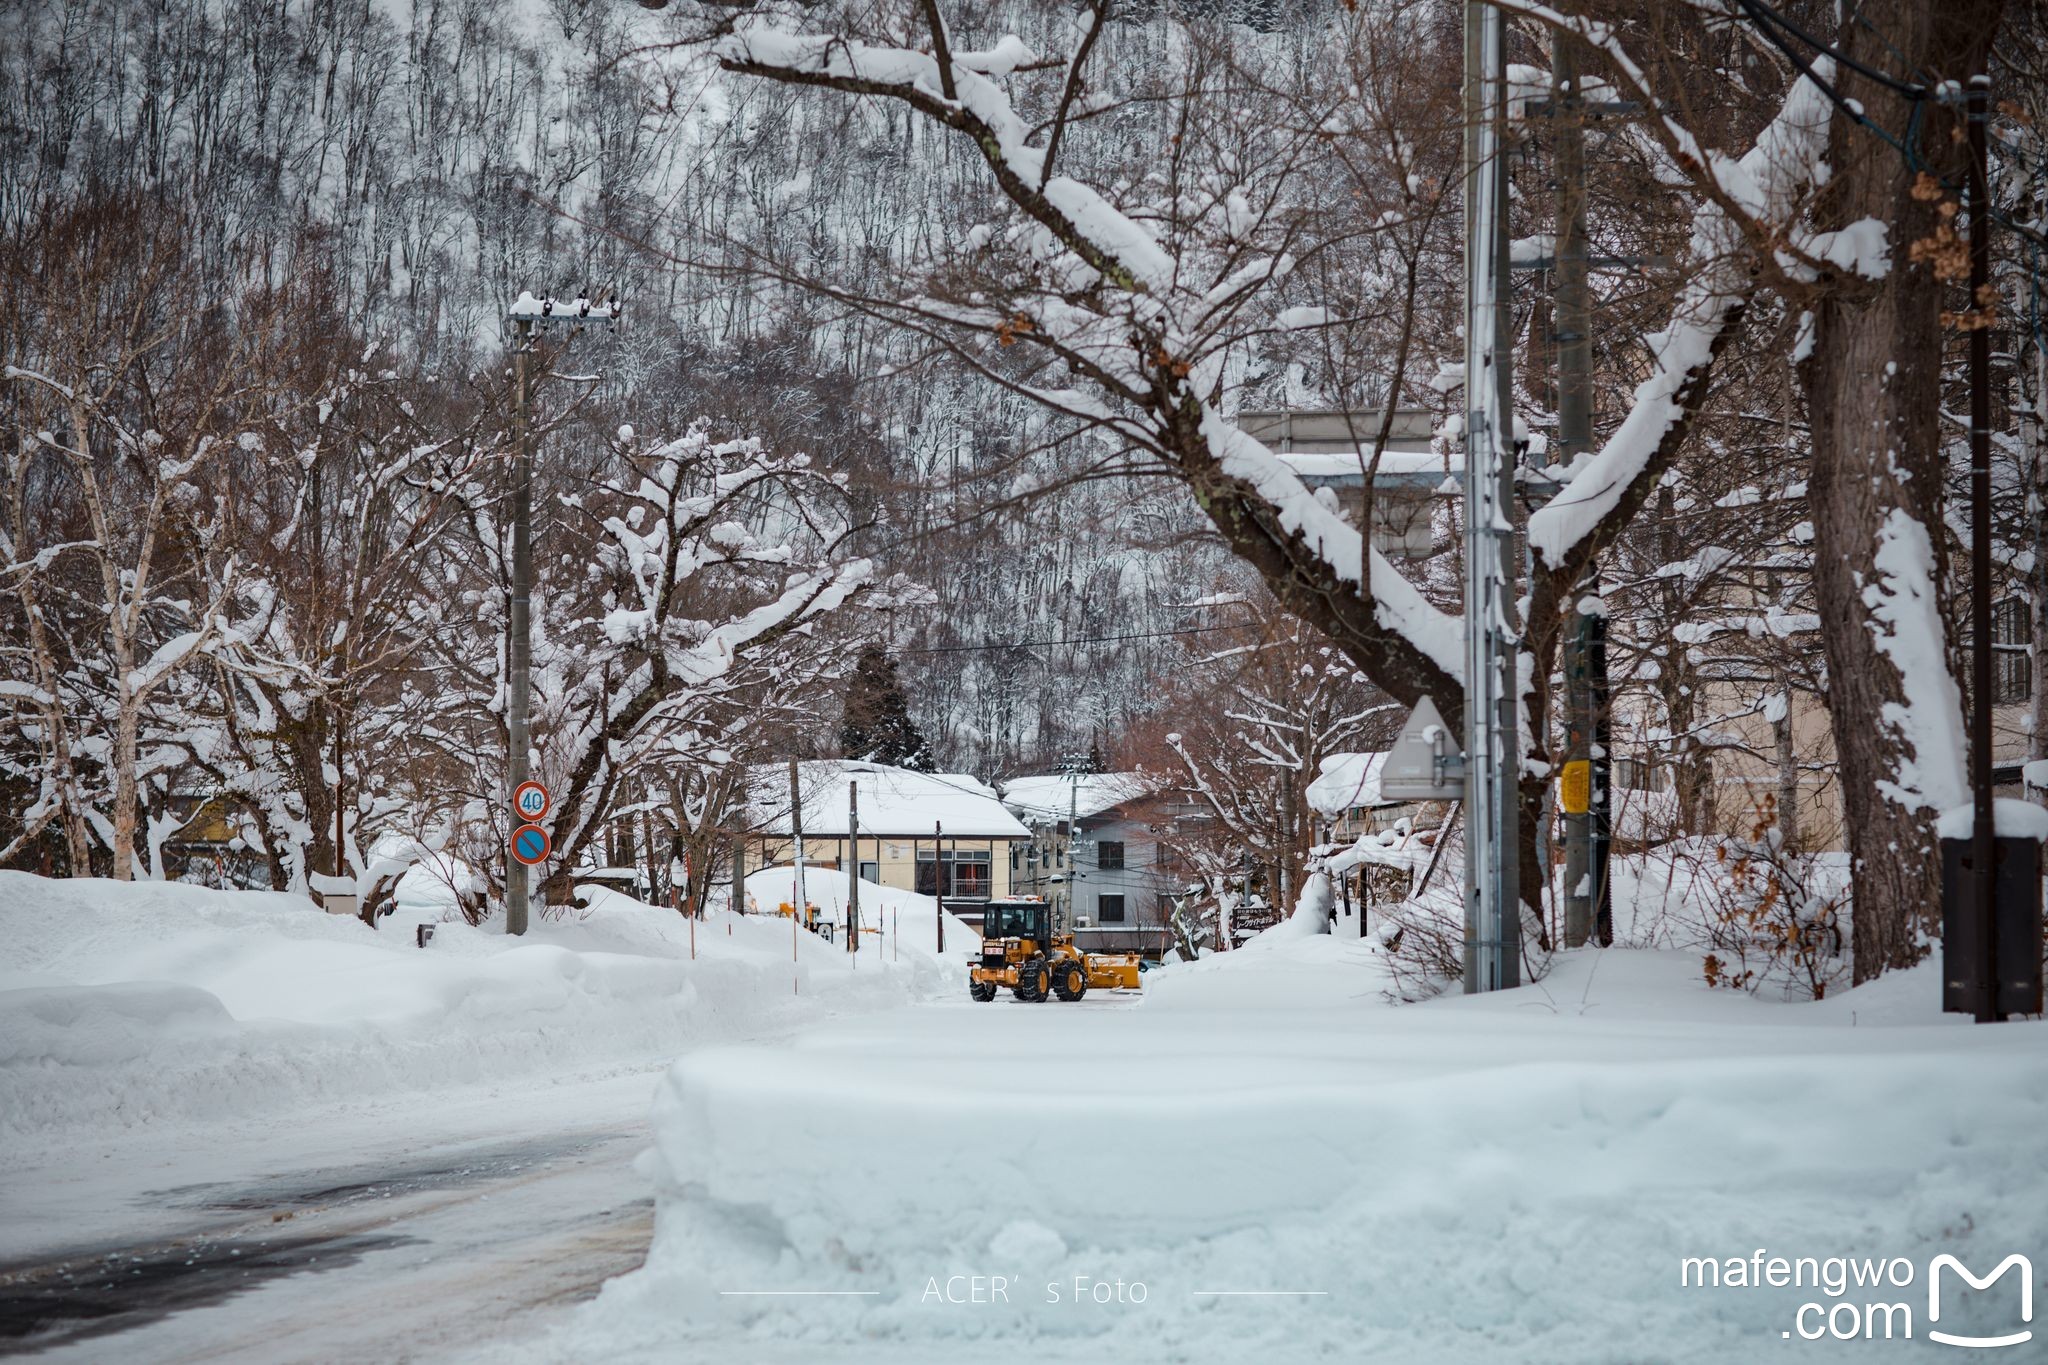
column 1337, row 464
column 1049, row 796
column 1347, row 781
column 892, row 801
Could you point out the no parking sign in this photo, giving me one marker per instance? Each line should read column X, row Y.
column 530, row 844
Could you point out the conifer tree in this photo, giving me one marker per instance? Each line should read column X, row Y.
column 876, row 724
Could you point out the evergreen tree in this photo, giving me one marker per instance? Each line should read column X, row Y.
column 876, row 724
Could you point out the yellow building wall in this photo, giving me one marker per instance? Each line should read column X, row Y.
column 897, row 856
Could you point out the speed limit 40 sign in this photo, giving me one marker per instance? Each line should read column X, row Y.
column 531, row 800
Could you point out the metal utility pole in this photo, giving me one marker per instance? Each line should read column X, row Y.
column 853, row 878
column 519, row 645
column 1492, row 911
column 1982, row 847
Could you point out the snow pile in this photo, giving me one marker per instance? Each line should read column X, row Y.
column 1512, row 1178
column 124, row 1004
column 890, row 918
column 1346, row 782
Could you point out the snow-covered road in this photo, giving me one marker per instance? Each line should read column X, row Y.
column 398, row 1232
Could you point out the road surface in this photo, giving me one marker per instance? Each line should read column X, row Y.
column 397, row 1233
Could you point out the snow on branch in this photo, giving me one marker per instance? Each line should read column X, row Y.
column 1767, row 187
column 1127, row 316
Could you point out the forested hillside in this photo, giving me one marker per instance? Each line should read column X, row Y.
column 935, row 338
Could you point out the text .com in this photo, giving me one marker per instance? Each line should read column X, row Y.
column 1864, row 1298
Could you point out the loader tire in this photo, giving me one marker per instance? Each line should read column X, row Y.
column 1069, row 981
column 1033, row 981
column 983, row 991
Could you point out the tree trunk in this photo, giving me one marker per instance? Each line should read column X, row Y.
column 1783, row 737
column 1873, row 386
column 126, row 724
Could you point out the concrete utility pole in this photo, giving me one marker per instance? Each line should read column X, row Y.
column 519, row 646
column 1493, row 762
column 796, row 834
column 853, row 877
column 941, row 875
column 1073, row 838
column 1572, row 330
column 527, row 315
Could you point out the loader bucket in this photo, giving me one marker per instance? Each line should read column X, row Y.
column 1113, row 972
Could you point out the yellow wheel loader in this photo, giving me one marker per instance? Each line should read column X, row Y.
column 1023, row 949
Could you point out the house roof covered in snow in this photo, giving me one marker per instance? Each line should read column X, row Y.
column 892, row 801
column 1347, row 781
column 1049, row 796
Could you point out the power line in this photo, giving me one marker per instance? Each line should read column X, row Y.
column 1764, row 13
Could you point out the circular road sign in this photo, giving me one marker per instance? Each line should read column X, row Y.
column 530, row 844
column 531, row 800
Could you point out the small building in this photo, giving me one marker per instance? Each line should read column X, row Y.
column 938, row 834
column 1097, row 852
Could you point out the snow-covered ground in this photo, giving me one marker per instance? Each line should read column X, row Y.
column 1295, row 1170
column 146, row 1004
column 233, row 1127
column 1257, row 1157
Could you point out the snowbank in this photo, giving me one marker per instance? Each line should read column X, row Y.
column 1346, row 782
column 889, row 917
column 1513, row 1178
column 131, row 1004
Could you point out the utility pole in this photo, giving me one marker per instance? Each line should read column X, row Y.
column 527, row 315
column 1073, row 837
column 942, row 873
column 853, row 879
column 1572, row 331
column 519, row 646
column 1492, row 909
column 796, row 833
column 1983, row 856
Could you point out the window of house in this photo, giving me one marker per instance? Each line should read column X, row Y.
column 951, row 874
column 2012, row 652
column 1640, row 775
column 1109, row 855
column 871, row 872
column 1109, row 909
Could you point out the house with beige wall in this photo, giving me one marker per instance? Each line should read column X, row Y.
column 938, row 834
column 1766, row 752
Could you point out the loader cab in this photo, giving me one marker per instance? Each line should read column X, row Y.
column 1017, row 919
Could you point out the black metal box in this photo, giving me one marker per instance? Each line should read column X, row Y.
column 2016, row 916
